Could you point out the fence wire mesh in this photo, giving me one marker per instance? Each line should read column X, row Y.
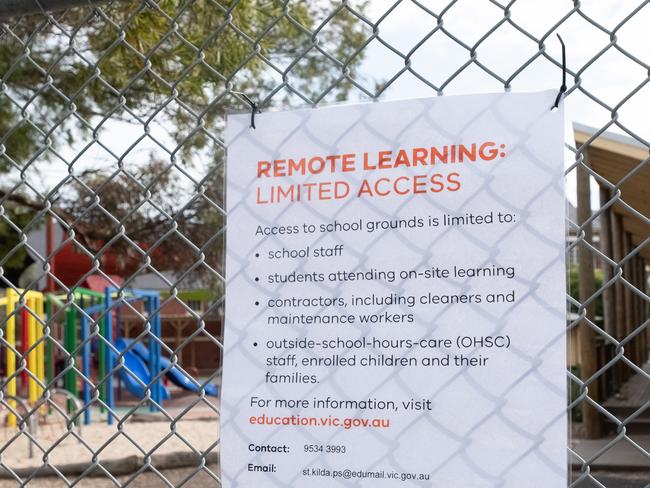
column 112, row 155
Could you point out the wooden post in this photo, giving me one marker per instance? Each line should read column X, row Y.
column 640, row 319
column 627, row 295
column 606, row 249
column 643, row 315
column 646, row 306
column 609, row 312
column 619, row 310
column 636, row 317
column 586, row 337
column 617, row 248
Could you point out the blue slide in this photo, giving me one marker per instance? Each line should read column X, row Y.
column 174, row 373
column 138, row 368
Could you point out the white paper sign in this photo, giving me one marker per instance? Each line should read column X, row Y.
column 395, row 298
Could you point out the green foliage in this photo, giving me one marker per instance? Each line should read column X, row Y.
column 574, row 288
column 131, row 59
column 174, row 62
column 13, row 255
column 574, row 392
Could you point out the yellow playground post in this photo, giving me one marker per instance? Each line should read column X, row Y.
column 33, row 322
column 31, row 355
column 11, row 355
column 40, row 348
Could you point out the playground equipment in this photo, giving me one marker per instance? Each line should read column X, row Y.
column 82, row 298
column 135, row 375
column 93, row 343
column 30, row 304
column 142, row 366
column 79, row 339
column 174, row 373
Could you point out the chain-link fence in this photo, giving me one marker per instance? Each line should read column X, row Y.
column 112, row 215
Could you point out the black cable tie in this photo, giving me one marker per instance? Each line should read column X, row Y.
column 563, row 88
column 254, row 109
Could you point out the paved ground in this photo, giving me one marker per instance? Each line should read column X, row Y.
column 618, row 480
column 112, row 448
column 621, row 455
column 177, row 477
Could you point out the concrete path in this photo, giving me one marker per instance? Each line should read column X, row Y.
column 621, row 456
column 120, row 452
